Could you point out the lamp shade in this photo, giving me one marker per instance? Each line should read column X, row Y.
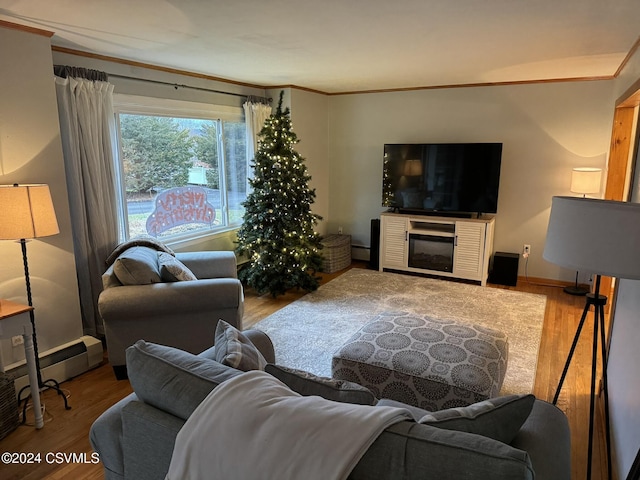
column 26, row 211
column 413, row 168
column 586, row 180
column 593, row 235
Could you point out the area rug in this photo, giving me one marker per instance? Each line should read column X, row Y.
column 308, row 331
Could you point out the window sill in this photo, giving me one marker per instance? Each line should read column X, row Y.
column 226, row 236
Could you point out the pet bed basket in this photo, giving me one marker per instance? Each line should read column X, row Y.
column 336, row 252
column 9, row 417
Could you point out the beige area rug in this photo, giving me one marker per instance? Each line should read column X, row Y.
column 307, row 332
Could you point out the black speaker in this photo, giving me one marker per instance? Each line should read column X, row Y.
column 505, row 269
column 374, row 253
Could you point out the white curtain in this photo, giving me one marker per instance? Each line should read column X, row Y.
column 87, row 127
column 255, row 113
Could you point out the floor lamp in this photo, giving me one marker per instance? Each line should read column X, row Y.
column 599, row 236
column 26, row 211
column 584, row 180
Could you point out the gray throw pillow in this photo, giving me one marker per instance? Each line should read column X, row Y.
column 499, row 418
column 308, row 384
column 172, row 269
column 171, row 379
column 236, row 350
column 137, row 266
column 138, row 241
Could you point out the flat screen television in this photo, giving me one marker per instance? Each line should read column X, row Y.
column 442, row 178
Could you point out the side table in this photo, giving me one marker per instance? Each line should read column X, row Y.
column 22, row 326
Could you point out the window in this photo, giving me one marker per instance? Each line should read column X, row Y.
column 183, row 167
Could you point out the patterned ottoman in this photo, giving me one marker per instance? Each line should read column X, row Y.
column 426, row 362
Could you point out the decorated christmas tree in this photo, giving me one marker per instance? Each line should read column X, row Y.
column 278, row 235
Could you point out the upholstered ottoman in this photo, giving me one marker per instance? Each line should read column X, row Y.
column 422, row 361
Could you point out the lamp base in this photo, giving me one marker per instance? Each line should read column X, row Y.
column 576, row 290
column 45, row 385
column 598, row 301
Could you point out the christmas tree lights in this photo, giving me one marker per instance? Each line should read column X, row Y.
column 278, row 235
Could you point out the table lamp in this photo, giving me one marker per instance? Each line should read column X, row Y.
column 586, row 180
column 602, row 237
column 583, row 180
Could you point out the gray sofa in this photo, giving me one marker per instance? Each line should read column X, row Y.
column 136, row 436
column 183, row 314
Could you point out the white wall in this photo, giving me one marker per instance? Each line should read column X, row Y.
column 624, row 385
column 547, row 129
column 31, row 152
column 309, row 120
column 624, row 355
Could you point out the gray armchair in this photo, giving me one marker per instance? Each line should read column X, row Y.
column 181, row 314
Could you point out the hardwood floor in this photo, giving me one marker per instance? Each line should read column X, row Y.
column 89, row 395
column 94, row 391
column 562, row 316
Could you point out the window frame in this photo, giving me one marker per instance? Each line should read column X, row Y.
column 142, row 105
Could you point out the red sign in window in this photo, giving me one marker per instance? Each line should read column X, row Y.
column 180, row 206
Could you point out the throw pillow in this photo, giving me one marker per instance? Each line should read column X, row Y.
column 137, row 266
column 308, row 384
column 172, row 269
column 139, row 241
column 499, row 418
column 171, row 379
column 236, row 350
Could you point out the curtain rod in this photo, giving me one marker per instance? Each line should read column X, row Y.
column 178, row 85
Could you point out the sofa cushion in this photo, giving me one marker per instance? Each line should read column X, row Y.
column 172, row 269
column 410, row 450
column 499, row 418
column 308, row 384
column 137, row 266
column 173, row 380
column 236, row 350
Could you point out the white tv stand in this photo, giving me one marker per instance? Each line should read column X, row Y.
column 442, row 246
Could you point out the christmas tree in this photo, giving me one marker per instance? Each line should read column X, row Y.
column 278, row 233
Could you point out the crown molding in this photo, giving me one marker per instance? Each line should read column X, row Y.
column 187, row 73
column 24, row 28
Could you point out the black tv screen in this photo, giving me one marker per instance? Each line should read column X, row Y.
column 454, row 178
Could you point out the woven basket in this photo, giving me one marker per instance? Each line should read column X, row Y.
column 336, row 252
column 9, row 416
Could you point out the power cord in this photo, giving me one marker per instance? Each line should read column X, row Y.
column 46, row 415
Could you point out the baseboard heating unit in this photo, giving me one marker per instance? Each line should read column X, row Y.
column 61, row 363
column 360, row 252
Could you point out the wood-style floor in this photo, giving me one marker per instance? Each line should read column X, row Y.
column 93, row 392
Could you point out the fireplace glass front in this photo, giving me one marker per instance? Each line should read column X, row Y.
column 431, row 252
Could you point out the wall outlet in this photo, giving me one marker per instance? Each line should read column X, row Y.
column 17, row 340
column 526, row 250
column 339, row 230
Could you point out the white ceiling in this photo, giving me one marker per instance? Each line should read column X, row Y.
column 349, row 45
